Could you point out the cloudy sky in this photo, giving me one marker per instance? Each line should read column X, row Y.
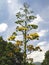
column 8, row 9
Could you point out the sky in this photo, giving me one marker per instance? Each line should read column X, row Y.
column 8, row 9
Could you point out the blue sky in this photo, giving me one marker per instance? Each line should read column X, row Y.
column 8, row 9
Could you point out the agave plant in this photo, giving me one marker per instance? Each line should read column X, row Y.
column 24, row 27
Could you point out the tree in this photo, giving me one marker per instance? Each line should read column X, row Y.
column 24, row 16
column 8, row 55
column 46, row 60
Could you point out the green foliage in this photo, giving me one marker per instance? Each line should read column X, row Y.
column 32, row 17
column 18, row 15
column 30, row 63
column 1, row 39
column 14, row 33
column 46, row 60
column 19, row 21
column 8, row 56
column 33, row 26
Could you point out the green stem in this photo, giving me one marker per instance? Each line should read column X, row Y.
column 25, row 44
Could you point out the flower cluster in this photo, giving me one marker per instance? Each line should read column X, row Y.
column 21, row 28
column 33, row 36
column 12, row 37
column 18, row 43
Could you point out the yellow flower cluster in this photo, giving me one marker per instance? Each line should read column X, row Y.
column 21, row 28
column 12, row 37
column 18, row 43
column 32, row 36
column 38, row 48
column 30, row 47
column 29, row 37
column 17, row 49
column 10, row 54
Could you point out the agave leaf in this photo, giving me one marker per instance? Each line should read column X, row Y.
column 33, row 26
column 14, row 33
column 32, row 17
column 19, row 21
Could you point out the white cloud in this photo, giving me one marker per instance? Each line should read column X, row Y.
column 44, row 45
column 9, row 1
column 20, row 37
column 13, row 7
column 42, row 32
column 37, row 20
column 37, row 55
column 47, row 47
column 3, row 27
column 41, row 43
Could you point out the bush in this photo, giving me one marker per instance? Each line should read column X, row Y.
column 46, row 60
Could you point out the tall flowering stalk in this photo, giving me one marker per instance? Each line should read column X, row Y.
column 24, row 16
